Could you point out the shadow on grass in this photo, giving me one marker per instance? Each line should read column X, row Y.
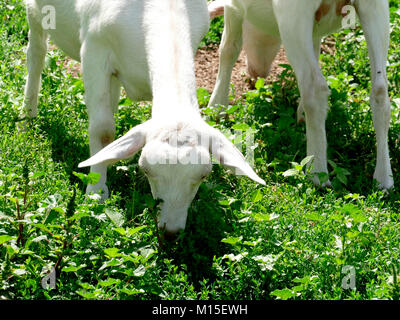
column 200, row 242
column 67, row 146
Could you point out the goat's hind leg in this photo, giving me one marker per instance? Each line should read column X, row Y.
column 36, row 54
column 296, row 23
column 374, row 17
column 231, row 45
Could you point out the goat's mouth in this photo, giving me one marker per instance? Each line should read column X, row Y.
column 170, row 229
column 170, row 236
column 172, row 222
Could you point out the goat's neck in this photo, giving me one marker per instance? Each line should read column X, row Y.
column 170, row 58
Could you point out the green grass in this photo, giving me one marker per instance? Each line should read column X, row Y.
column 287, row 240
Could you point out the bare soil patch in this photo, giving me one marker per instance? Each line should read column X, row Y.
column 206, row 66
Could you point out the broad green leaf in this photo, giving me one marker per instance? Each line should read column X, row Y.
column 131, row 292
column 121, row 231
column 4, row 216
column 359, row 217
column 257, row 196
column 87, row 295
column 109, row 282
column 147, row 253
column 38, row 174
column 53, row 214
column 260, row 83
column 132, row 231
column 40, row 238
column 284, row 294
column 73, row 268
column 41, row 227
column 232, row 109
column 332, row 164
column 91, row 178
column 112, row 252
column 290, row 173
column 342, row 178
column 314, row 216
column 306, row 160
column 140, row 271
column 298, row 288
column 116, row 217
column 305, row 280
column 235, row 258
column 266, row 262
column 232, row 240
column 20, row 272
column 259, row 217
column 112, row 263
column 5, row 238
column 323, row 177
column 241, row 126
column 80, row 215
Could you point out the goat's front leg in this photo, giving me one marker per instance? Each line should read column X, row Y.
column 36, row 55
column 97, row 78
column 231, row 45
column 296, row 22
column 374, row 17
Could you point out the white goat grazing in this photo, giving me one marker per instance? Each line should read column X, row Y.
column 261, row 25
column 146, row 46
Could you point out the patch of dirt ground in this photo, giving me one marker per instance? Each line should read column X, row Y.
column 206, row 65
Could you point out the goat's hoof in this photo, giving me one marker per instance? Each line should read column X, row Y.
column 300, row 116
column 301, row 120
column 22, row 124
column 99, row 194
column 326, row 184
column 315, row 179
column 385, row 183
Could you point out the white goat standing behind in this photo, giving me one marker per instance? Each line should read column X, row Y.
column 148, row 47
column 261, row 26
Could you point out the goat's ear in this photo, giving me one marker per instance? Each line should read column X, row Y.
column 228, row 155
column 123, row 148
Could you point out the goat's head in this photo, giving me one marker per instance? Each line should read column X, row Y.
column 176, row 158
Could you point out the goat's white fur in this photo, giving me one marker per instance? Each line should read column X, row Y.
column 146, row 46
column 260, row 26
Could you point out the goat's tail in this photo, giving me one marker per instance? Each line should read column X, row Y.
column 217, row 8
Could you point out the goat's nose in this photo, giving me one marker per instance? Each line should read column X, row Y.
column 170, row 236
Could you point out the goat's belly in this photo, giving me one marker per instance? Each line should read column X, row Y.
column 137, row 88
column 327, row 25
column 64, row 26
column 70, row 44
column 129, row 65
column 329, row 17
